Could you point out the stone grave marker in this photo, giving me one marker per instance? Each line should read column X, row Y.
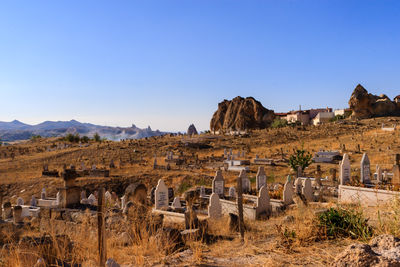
column 396, row 170
column 202, row 191
column 92, row 199
column 298, row 185
column 83, row 194
column 176, row 203
column 245, row 181
column 17, row 214
column 20, row 201
column 263, row 201
column 261, row 178
column 123, row 202
column 33, row 202
column 43, row 193
column 161, row 195
column 7, row 210
column 288, row 192
column 307, row 190
column 214, row 207
column 365, row 169
column 218, row 183
column 378, row 174
column 344, row 170
column 232, row 192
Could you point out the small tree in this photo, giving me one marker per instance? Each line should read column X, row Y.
column 301, row 158
column 96, row 137
column 85, row 139
column 279, row 123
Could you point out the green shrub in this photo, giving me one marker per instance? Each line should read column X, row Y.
column 279, row 123
column 85, row 139
column 96, row 137
column 338, row 222
column 301, row 158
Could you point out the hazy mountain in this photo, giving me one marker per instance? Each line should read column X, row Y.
column 16, row 130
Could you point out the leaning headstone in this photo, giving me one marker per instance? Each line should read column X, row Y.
column 176, row 203
column 307, row 191
column 365, row 169
column 263, row 201
column 20, row 201
column 232, row 192
column 245, row 181
column 17, row 214
column 161, row 195
column 261, row 178
column 344, row 169
column 218, row 184
column 214, row 207
column 288, row 193
column 33, row 202
column 43, row 193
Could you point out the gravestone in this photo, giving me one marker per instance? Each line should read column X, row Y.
column 92, row 200
column 161, row 195
column 33, row 202
column 218, row 183
column 344, row 170
column 365, row 169
column 58, row 198
column 378, row 174
column 83, row 194
column 307, row 190
column 7, row 210
column 176, row 203
column 261, row 178
column 245, row 181
column 43, row 193
column 214, row 207
column 396, row 170
column 20, row 201
column 298, row 185
column 202, row 191
column 17, row 214
column 171, row 194
column 288, row 192
column 123, row 202
column 299, row 171
column 107, row 197
column 93, row 167
column 263, row 201
column 232, row 192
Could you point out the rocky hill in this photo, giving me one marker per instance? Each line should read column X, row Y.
column 365, row 105
column 16, row 130
column 241, row 114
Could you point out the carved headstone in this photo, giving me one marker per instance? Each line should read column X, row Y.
column 176, row 203
column 20, row 201
column 218, row 183
column 263, row 201
column 214, row 207
column 43, row 193
column 288, row 193
column 161, row 195
column 365, row 169
column 307, row 190
column 232, row 192
column 245, row 181
column 261, row 178
column 344, row 170
column 33, row 202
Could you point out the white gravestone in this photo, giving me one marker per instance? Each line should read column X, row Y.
column 378, row 174
column 307, row 190
column 214, row 207
column 288, row 192
column 344, row 170
column 232, row 191
column 20, row 201
column 218, row 183
column 107, row 197
column 245, row 181
column 58, row 198
column 261, row 178
column 365, row 169
column 123, row 202
column 43, row 193
column 176, row 203
column 92, row 199
column 263, row 201
column 161, row 195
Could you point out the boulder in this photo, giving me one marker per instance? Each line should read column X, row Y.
column 365, row 105
column 241, row 114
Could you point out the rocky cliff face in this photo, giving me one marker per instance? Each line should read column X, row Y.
column 192, row 130
column 241, row 114
column 365, row 105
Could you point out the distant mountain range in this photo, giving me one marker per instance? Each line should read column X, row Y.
column 16, row 130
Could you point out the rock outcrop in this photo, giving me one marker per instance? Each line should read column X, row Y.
column 192, row 130
column 241, row 114
column 382, row 251
column 365, row 105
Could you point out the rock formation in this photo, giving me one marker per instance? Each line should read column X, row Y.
column 241, row 114
column 192, row 130
column 365, row 105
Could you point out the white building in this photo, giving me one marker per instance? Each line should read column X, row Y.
column 323, row 117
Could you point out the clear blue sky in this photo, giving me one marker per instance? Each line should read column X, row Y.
column 168, row 63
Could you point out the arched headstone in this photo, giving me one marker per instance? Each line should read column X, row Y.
column 161, row 195
column 344, row 175
column 214, row 207
column 261, row 178
column 218, row 184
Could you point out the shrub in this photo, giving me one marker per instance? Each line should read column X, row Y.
column 96, row 137
column 279, row 123
column 85, row 139
column 344, row 223
column 301, row 158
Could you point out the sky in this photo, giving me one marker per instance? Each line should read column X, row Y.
column 169, row 63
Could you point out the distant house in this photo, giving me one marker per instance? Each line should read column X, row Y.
column 397, row 99
column 339, row 112
column 323, row 117
column 300, row 116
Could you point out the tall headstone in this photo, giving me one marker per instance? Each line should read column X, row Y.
column 263, row 201
column 123, row 202
column 161, row 195
column 245, row 181
column 232, row 191
column 43, row 193
column 261, row 178
column 214, row 207
column 344, row 169
column 218, row 183
column 83, row 194
column 298, row 185
column 288, row 193
column 378, row 174
column 307, row 190
column 365, row 169
column 33, row 202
